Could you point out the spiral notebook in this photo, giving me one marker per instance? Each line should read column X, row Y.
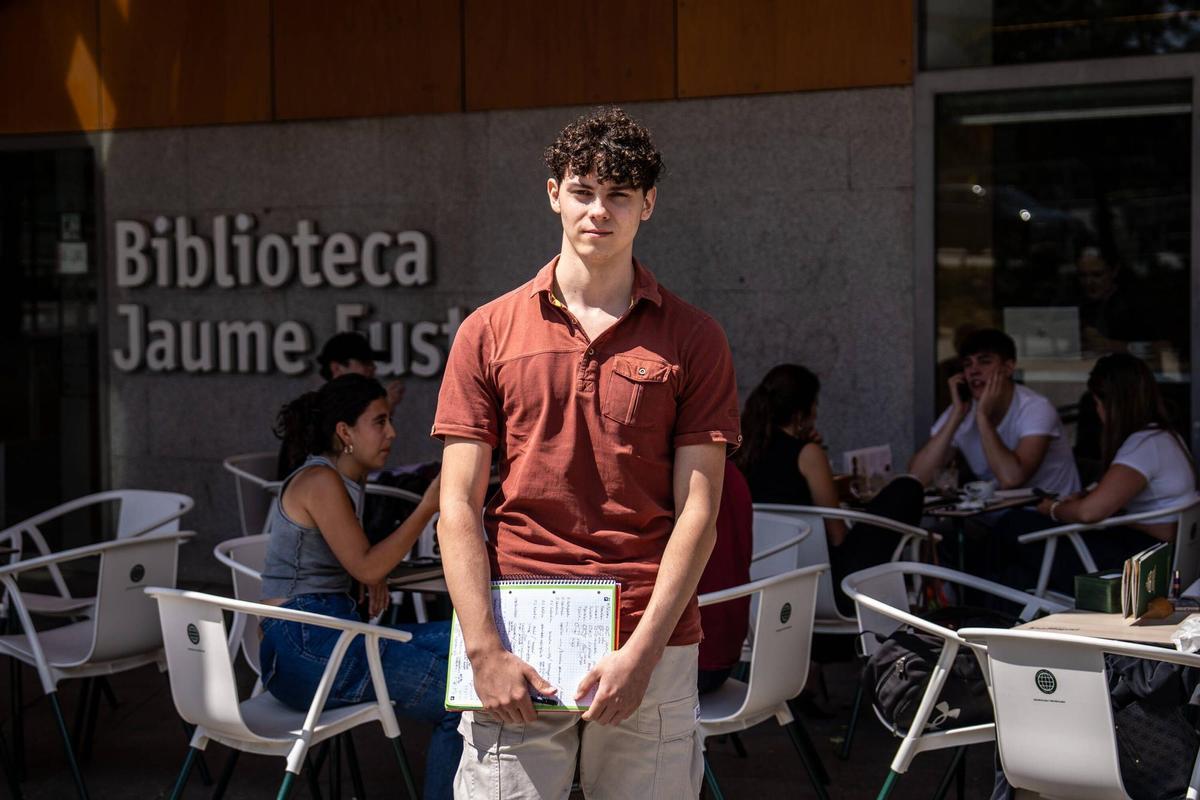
column 560, row 627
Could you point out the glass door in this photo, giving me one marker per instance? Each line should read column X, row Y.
column 49, row 353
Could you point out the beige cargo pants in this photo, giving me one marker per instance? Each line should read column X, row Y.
column 655, row 754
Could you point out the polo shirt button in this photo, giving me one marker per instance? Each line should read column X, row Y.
column 641, row 370
column 591, row 352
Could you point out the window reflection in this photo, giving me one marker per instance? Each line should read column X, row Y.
column 1062, row 217
column 977, row 33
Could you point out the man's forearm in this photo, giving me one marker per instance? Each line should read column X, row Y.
column 683, row 562
column 468, row 575
column 934, row 455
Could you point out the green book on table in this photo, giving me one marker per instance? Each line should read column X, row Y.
column 1146, row 575
column 560, row 627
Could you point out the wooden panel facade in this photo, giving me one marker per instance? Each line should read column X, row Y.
column 49, row 73
column 87, row 64
column 786, row 46
column 185, row 62
column 367, row 58
column 528, row 53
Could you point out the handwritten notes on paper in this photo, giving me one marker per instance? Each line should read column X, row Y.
column 561, row 629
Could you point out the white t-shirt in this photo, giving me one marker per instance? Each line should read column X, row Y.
column 1159, row 457
column 1029, row 414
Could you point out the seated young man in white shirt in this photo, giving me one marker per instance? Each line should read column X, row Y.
column 1007, row 433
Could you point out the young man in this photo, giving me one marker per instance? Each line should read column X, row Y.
column 1007, row 433
column 612, row 402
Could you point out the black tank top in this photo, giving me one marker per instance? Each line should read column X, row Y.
column 776, row 477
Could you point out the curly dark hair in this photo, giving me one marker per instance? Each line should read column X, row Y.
column 610, row 143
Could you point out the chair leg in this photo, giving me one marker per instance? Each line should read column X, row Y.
column 285, row 788
column 17, row 700
column 360, row 793
column 950, row 773
column 70, row 751
column 738, row 747
column 10, row 769
column 107, row 690
column 226, row 775
column 800, row 734
column 181, row 781
column 888, row 785
column 409, row 784
column 807, row 755
column 855, row 711
column 89, row 725
column 310, row 775
column 85, row 694
column 710, row 780
column 205, row 775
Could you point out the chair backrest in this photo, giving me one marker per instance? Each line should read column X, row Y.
column 144, row 511
column 125, row 618
column 1187, row 545
column 1054, row 724
column 256, row 486
column 200, row 664
column 814, row 549
column 783, row 625
column 889, row 588
column 245, row 556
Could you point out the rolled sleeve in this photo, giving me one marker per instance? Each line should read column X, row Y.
column 708, row 404
column 468, row 405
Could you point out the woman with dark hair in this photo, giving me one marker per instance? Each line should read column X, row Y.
column 317, row 549
column 1147, row 465
column 783, row 461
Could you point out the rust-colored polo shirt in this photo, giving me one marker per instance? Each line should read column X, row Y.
column 588, row 430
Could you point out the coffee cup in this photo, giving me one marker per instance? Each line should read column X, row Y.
column 979, row 491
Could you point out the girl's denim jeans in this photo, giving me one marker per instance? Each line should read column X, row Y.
column 294, row 656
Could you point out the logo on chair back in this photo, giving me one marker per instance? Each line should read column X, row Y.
column 1045, row 681
column 137, row 573
column 193, row 634
column 785, row 613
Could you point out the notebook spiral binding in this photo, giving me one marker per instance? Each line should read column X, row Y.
column 542, row 580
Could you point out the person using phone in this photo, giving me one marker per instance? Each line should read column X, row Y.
column 1006, row 432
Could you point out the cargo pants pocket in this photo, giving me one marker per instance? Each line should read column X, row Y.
column 678, row 767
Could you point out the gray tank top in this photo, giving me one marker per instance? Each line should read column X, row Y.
column 298, row 559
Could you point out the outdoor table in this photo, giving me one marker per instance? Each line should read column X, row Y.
column 1111, row 626
column 425, row 575
column 1001, row 501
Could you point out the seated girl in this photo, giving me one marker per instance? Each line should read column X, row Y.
column 317, row 549
column 783, row 461
column 1148, row 468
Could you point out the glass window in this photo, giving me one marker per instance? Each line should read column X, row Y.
column 1062, row 217
column 980, row 33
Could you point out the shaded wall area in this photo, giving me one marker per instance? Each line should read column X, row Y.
column 786, row 216
column 74, row 65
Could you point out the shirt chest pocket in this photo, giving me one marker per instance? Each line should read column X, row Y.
column 637, row 393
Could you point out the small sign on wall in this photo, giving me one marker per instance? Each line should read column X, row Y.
column 72, row 258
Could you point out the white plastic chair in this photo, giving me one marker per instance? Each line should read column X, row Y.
column 256, row 486
column 815, row 550
column 1065, row 748
column 139, row 511
column 245, row 557
column 881, row 597
column 783, row 625
column 121, row 634
column 205, row 692
column 1187, row 542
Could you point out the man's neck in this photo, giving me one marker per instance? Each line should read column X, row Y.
column 595, row 284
